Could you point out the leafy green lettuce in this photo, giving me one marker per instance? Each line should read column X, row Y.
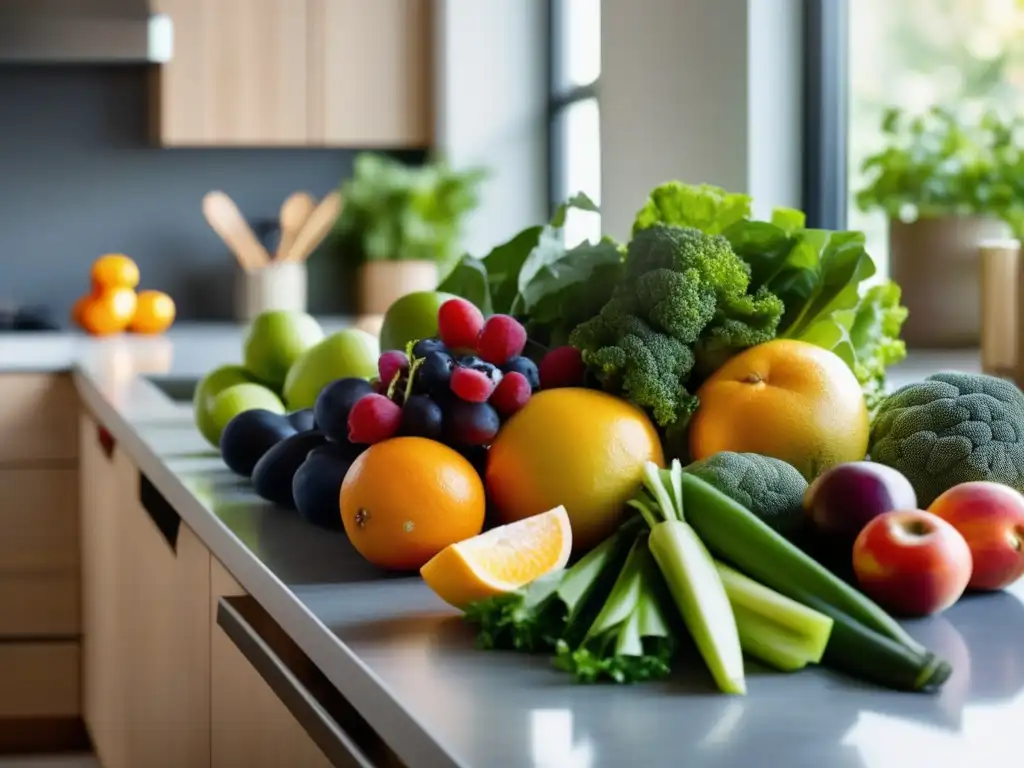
column 536, row 278
column 820, row 275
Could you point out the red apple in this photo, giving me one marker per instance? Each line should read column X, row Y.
column 841, row 501
column 990, row 516
column 912, row 562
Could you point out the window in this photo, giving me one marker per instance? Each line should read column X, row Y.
column 574, row 139
column 864, row 56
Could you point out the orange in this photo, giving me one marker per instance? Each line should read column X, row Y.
column 580, row 448
column 109, row 311
column 406, row 499
column 115, row 270
column 78, row 308
column 789, row 399
column 154, row 313
column 500, row 560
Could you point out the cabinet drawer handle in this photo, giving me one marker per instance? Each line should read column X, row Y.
column 160, row 511
column 313, row 713
column 106, row 441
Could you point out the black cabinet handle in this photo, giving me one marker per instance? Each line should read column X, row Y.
column 319, row 715
column 164, row 516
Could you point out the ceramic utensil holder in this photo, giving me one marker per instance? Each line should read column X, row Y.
column 279, row 285
column 998, row 302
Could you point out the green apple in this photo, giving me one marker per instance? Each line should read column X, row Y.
column 347, row 353
column 411, row 318
column 241, row 397
column 211, row 385
column 275, row 341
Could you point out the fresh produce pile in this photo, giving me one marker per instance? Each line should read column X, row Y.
column 611, row 453
column 114, row 305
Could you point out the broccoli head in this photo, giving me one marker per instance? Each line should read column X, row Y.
column 949, row 429
column 683, row 296
column 770, row 488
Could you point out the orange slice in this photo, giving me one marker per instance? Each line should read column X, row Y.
column 501, row 559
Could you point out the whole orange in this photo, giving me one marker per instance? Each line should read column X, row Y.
column 789, row 399
column 110, row 311
column 78, row 308
column 406, row 499
column 154, row 313
column 579, row 448
column 114, row 270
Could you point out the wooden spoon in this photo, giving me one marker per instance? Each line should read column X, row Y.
column 316, row 227
column 227, row 221
column 295, row 211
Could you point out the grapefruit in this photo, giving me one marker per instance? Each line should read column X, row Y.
column 579, row 448
column 789, row 399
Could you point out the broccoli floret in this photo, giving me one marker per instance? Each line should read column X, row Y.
column 949, row 429
column 683, row 297
column 769, row 487
column 646, row 366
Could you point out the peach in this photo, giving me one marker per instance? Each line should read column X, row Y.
column 990, row 516
column 912, row 562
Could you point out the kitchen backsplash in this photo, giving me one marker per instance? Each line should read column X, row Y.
column 79, row 178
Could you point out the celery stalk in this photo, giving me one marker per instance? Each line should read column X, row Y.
column 691, row 576
column 774, row 628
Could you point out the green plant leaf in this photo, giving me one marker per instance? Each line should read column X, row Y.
column 469, row 280
column 504, row 264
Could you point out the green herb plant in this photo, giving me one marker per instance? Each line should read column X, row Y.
column 939, row 164
column 396, row 212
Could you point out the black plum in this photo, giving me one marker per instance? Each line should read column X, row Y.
column 433, row 373
column 316, row 486
column 249, row 436
column 422, row 417
column 424, row 346
column 526, row 367
column 303, row 420
column 333, row 404
column 470, row 423
column 273, row 474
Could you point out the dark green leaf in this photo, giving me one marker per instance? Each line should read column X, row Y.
column 469, row 280
column 504, row 264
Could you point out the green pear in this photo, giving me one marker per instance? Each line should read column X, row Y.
column 241, row 397
column 275, row 341
column 345, row 354
column 211, row 385
column 411, row 318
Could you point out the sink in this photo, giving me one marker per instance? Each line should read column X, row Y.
column 180, row 389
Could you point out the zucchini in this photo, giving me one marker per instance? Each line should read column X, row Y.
column 734, row 534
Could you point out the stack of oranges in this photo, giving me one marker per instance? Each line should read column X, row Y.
column 113, row 306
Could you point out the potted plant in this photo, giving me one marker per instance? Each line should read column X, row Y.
column 946, row 184
column 403, row 224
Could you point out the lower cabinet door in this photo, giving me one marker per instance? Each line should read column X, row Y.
column 250, row 724
column 167, row 637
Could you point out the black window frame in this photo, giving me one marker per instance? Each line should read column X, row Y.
column 560, row 99
column 825, row 112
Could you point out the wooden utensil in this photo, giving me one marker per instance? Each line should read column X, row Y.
column 295, row 211
column 316, row 227
column 227, row 221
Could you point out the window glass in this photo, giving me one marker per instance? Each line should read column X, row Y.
column 578, row 54
column 579, row 142
column 965, row 55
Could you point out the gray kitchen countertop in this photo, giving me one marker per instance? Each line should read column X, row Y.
column 407, row 663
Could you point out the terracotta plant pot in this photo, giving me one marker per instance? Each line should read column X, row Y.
column 935, row 262
column 382, row 282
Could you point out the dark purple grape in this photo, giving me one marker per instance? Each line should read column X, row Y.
column 471, row 361
column 421, row 417
column 525, row 366
column 470, row 423
column 492, row 372
column 333, row 404
column 433, row 373
column 425, row 346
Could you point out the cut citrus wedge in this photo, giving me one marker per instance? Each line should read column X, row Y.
column 500, row 560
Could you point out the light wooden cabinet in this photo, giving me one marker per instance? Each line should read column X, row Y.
column 346, row 73
column 104, row 472
column 251, row 726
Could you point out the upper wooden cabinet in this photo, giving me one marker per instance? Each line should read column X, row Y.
column 345, row 73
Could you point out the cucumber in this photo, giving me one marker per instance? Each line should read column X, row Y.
column 735, row 535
